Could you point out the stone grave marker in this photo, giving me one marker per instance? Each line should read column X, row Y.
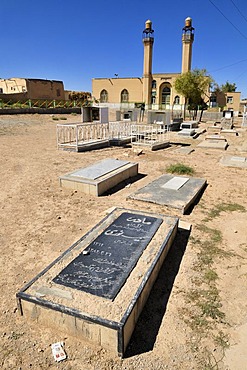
column 97, row 288
column 171, row 191
column 106, row 263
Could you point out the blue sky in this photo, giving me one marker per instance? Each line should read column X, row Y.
column 79, row 40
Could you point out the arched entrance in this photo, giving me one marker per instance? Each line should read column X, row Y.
column 165, row 96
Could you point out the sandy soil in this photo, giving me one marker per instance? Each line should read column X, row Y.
column 195, row 317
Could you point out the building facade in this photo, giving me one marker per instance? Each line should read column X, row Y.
column 32, row 88
column 156, row 90
column 226, row 101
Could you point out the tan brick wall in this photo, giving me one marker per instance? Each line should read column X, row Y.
column 236, row 101
column 221, row 99
column 166, row 79
column 114, row 86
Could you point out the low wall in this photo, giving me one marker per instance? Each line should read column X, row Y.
column 212, row 116
column 40, row 110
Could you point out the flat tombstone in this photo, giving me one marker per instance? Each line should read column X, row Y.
column 234, row 161
column 98, row 287
column 171, row 191
column 99, row 169
column 105, row 264
column 99, row 177
column 213, row 144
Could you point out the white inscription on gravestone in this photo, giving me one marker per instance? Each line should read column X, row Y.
column 175, row 183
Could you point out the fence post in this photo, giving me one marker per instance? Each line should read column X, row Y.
column 30, row 103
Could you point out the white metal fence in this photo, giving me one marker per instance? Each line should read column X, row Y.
column 120, row 129
column 74, row 135
column 148, row 135
column 79, row 134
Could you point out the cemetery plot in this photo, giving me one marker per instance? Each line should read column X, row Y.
column 234, row 161
column 171, row 191
column 103, row 266
column 150, row 136
column 100, row 177
column 213, row 144
column 82, row 136
column 97, row 289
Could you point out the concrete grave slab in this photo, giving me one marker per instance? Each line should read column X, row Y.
column 99, row 177
column 213, row 144
column 214, row 129
column 184, row 150
column 181, row 197
column 99, row 169
column 215, row 137
column 97, row 289
column 230, row 131
column 187, row 132
column 234, row 161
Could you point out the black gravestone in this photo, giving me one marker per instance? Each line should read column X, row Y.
column 103, row 267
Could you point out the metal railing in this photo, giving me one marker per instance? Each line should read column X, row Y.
column 77, row 134
column 42, row 103
column 148, row 135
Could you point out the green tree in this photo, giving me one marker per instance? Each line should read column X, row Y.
column 228, row 87
column 194, row 86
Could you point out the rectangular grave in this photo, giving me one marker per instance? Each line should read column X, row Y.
column 140, row 243
column 99, row 177
column 99, row 169
column 234, row 161
column 106, row 263
column 213, row 144
column 169, row 191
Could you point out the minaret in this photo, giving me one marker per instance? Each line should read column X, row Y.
column 187, row 39
column 148, row 40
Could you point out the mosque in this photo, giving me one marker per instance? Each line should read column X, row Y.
column 156, row 90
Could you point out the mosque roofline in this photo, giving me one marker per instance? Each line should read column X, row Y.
column 116, row 78
column 166, row 73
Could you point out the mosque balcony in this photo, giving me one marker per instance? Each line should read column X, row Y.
column 147, row 38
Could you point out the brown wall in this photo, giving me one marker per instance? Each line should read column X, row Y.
column 33, row 88
column 45, row 89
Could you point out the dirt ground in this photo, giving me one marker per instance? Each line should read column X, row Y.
column 195, row 317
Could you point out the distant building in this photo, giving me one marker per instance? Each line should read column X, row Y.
column 156, row 90
column 32, row 88
column 227, row 101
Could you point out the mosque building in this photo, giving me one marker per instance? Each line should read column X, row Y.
column 156, row 90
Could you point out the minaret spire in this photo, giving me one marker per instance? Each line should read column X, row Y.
column 148, row 40
column 187, row 40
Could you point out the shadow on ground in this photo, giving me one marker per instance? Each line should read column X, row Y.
column 147, row 327
column 124, row 183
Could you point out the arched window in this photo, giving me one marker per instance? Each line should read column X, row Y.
column 166, row 95
column 154, row 84
column 177, row 100
column 124, row 96
column 104, row 96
